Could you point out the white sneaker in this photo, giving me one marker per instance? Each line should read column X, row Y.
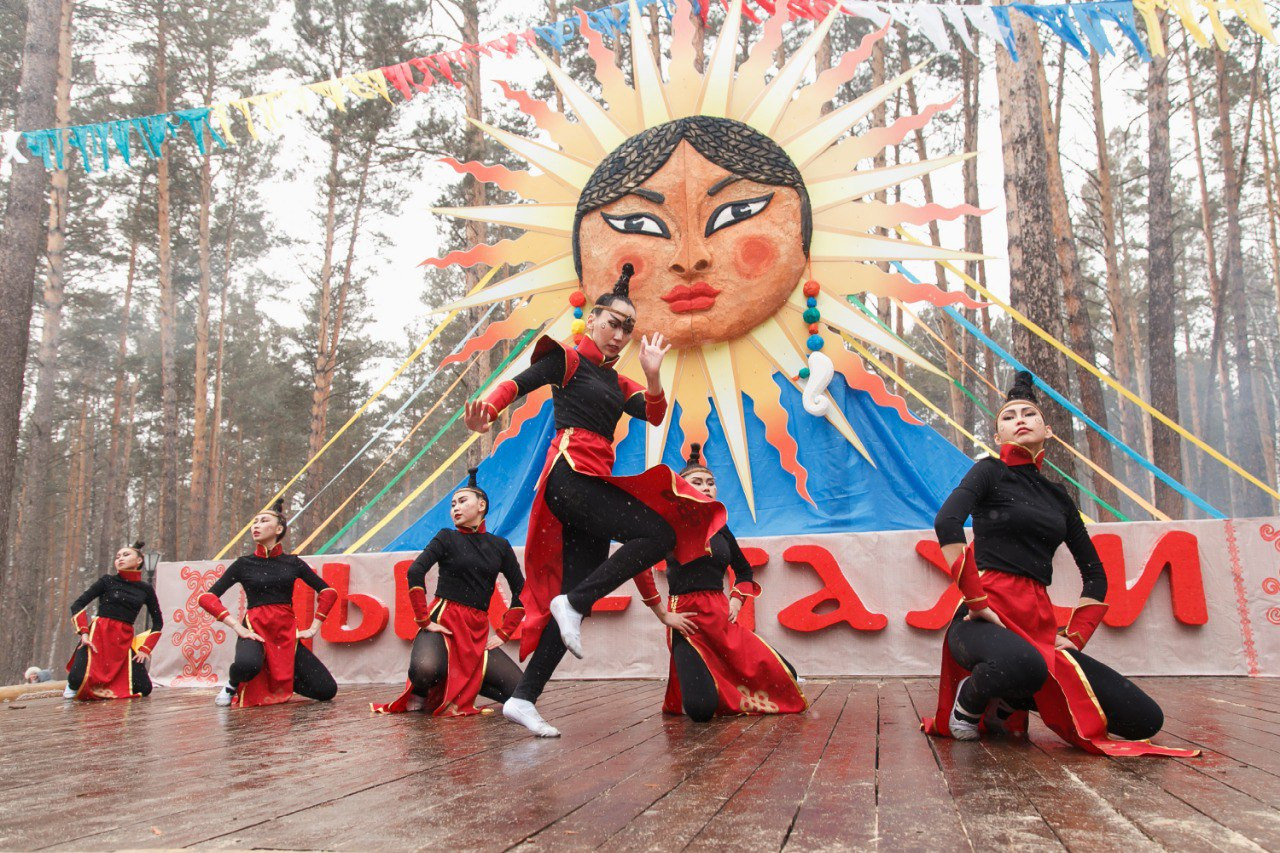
column 68, row 692
column 961, row 729
column 570, row 622
column 522, row 711
column 224, row 697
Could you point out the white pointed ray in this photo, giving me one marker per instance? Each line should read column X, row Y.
column 650, row 91
column 722, row 374
column 844, row 316
column 554, row 219
column 655, row 437
column 828, row 192
column 771, row 103
column 805, row 145
column 570, row 171
column 780, row 348
column 830, row 244
column 718, row 82
column 555, row 273
column 605, row 132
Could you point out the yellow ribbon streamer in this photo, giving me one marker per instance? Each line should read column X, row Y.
column 1071, row 354
column 360, row 411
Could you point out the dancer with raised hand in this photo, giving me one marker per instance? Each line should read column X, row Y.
column 271, row 663
column 454, row 659
column 580, row 507
column 1003, row 652
column 109, row 662
column 719, row 667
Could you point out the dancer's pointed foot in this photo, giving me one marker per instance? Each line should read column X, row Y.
column 570, row 622
column 964, row 726
column 522, row 711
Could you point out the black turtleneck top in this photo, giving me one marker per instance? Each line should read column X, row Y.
column 706, row 574
column 1019, row 520
column 121, row 600
column 469, row 566
column 592, row 399
column 268, row 579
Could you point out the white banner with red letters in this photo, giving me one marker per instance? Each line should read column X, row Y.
column 1187, row 598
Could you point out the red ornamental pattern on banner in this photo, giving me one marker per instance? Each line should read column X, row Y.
column 1271, row 585
column 197, row 636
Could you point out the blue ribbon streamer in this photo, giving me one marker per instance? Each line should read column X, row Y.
column 1090, row 23
column 1072, row 408
column 1120, row 12
column 1005, row 22
column 1058, row 19
column 120, row 136
column 47, row 145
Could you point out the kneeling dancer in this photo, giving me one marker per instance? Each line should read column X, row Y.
column 108, row 663
column 1003, row 651
column 454, row 659
column 271, row 664
column 580, row 506
column 717, row 665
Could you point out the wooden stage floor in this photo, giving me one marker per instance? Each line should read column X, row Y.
column 854, row 773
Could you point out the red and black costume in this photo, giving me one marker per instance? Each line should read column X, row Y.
column 580, row 507
column 1019, row 520
column 270, row 672
column 722, row 668
column 105, row 669
column 448, row 671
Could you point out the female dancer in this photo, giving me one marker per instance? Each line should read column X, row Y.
column 108, row 663
column 454, row 659
column 580, row 508
column 271, row 664
column 1003, row 648
column 718, row 666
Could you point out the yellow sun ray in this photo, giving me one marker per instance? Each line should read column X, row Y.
column 829, row 192
column 655, row 437
column 546, row 218
column 604, row 129
column 553, row 275
column 570, row 171
column 718, row 82
column 648, row 79
column 831, row 244
column 722, row 372
column 768, row 108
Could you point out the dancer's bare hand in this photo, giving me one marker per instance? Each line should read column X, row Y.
column 652, row 350
column 735, row 607
column 437, row 628
column 476, row 416
column 141, row 655
column 246, row 633
column 1062, row 642
column 986, row 614
column 84, row 640
column 680, row 622
column 308, row 633
column 494, row 642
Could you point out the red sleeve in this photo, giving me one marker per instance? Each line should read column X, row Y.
column 655, row 408
column 500, row 397
column 510, row 621
column 213, row 605
column 418, row 600
column 745, row 590
column 81, row 621
column 965, row 573
column 648, row 588
column 325, row 601
column 1084, row 620
column 150, row 643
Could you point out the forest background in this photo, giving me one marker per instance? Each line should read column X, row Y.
column 179, row 337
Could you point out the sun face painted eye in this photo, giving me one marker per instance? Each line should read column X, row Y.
column 733, row 212
column 638, row 223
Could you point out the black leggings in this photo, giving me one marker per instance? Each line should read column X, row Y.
column 80, row 663
column 429, row 665
column 310, row 677
column 592, row 514
column 1005, row 666
column 697, row 684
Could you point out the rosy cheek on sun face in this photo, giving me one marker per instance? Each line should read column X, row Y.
column 754, row 256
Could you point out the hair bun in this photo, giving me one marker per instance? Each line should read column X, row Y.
column 471, row 477
column 1024, row 388
column 278, row 506
column 623, row 285
column 138, row 545
column 695, row 453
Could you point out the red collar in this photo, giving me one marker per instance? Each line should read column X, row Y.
column 130, row 574
column 276, row 551
column 470, row 531
column 1012, row 453
column 587, row 349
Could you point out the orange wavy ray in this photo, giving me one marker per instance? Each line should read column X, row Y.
column 620, row 97
column 845, row 156
column 857, row 375
column 530, row 187
column 767, row 399
column 529, row 408
column 836, row 277
column 807, row 106
column 531, row 247
column 557, row 125
column 862, row 216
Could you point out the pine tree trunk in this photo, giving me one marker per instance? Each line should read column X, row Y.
column 475, row 233
column 1162, row 287
column 35, row 510
column 21, row 241
column 1252, row 501
column 322, row 367
column 971, row 75
column 1033, row 267
column 168, row 318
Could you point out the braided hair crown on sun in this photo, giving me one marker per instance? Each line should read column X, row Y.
column 694, row 460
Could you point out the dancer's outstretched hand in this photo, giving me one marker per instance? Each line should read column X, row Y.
column 246, row 633
column 141, row 655
column 310, row 632
column 652, row 350
column 476, row 417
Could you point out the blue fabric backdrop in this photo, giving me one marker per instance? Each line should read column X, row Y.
column 915, row 469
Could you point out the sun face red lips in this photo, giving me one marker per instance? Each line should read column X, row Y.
column 684, row 298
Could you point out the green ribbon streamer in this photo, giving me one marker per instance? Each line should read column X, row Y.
column 524, row 339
